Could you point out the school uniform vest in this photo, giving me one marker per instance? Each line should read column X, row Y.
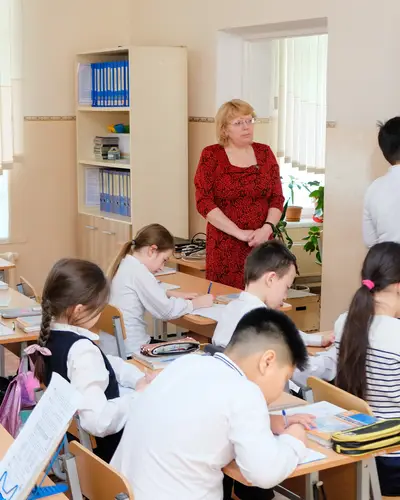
column 59, row 344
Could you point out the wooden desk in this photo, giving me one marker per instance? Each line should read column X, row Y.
column 5, row 442
column 339, row 464
column 192, row 267
column 188, row 283
column 19, row 336
column 5, row 266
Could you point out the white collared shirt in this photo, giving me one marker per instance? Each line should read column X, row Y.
column 199, row 414
column 235, row 311
column 381, row 217
column 88, row 374
column 135, row 290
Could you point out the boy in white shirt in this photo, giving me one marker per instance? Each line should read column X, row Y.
column 381, row 203
column 202, row 412
column 270, row 270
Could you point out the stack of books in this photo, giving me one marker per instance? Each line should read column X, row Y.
column 102, row 145
column 115, row 191
column 104, row 84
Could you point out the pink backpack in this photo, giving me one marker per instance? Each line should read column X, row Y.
column 20, row 395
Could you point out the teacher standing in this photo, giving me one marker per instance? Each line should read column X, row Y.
column 238, row 192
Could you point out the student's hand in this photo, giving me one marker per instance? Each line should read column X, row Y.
column 182, row 295
column 143, row 382
column 307, row 421
column 260, row 235
column 298, row 432
column 244, row 234
column 328, row 340
column 203, row 301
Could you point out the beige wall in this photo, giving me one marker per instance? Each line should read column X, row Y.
column 362, row 88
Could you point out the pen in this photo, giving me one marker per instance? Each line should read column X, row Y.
column 209, row 287
column 285, row 419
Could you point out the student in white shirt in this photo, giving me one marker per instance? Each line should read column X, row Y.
column 135, row 289
column 75, row 293
column 270, row 270
column 369, row 350
column 202, row 412
column 381, row 219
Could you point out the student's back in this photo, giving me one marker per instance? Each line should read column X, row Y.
column 381, row 206
column 382, row 366
column 201, row 413
column 369, row 349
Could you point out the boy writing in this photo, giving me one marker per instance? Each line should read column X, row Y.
column 269, row 273
column 202, row 412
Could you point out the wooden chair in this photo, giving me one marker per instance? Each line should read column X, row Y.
column 323, row 391
column 27, row 289
column 111, row 321
column 91, row 477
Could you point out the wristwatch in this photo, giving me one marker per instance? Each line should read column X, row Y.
column 270, row 224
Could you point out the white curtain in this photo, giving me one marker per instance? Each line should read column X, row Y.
column 299, row 97
column 11, row 116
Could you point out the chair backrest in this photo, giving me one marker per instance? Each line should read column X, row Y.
column 323, row 391
column 27, row 289
column 97, row 479
column 111, row 321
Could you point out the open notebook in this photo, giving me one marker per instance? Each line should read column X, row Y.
column 214, row 312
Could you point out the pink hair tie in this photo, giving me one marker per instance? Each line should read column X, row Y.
column 369, row 284
column 36, row 348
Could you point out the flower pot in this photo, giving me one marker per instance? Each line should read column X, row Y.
column 293, row 213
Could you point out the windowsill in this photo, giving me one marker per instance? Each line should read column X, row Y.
column 304, row 223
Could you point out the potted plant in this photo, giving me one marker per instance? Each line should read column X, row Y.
column 293, row 212
column 280, row 231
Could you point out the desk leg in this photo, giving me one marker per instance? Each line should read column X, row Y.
column 164, row 333
column 364, row 480
column 311, row 480
column 24, row 357
column 375, row 486
column 155, row 328
column 2, row 362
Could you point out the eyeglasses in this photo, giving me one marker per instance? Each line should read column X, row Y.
column 242, row 123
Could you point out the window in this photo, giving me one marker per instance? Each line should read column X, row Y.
column 4, row 211
column 299, row 110
column 281, row 70
column 11, row 117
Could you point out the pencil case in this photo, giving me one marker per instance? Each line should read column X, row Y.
column 181, row 346
column 369, row 438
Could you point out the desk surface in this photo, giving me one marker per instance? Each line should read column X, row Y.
column 332, row 459
column 17, row 300
column 5, row 264
column 5, row 442
column 189, row 283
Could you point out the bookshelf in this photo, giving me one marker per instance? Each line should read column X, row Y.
column 157, row 116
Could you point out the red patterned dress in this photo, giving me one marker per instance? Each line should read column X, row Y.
column 244, row 195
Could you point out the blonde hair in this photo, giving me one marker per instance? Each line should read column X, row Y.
column 228, row 112
column 153, row 234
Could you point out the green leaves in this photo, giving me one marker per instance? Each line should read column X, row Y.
column 312, row 245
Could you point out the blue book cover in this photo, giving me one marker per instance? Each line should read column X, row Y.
column 108, row 192
column 102, row 84
column 101, row 190
column 93, row 85
column 126, row 83
column 112, row 85
column 106, row 84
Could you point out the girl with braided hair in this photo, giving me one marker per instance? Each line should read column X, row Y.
column 75, row 293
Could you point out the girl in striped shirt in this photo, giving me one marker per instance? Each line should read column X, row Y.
column 369, row 349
